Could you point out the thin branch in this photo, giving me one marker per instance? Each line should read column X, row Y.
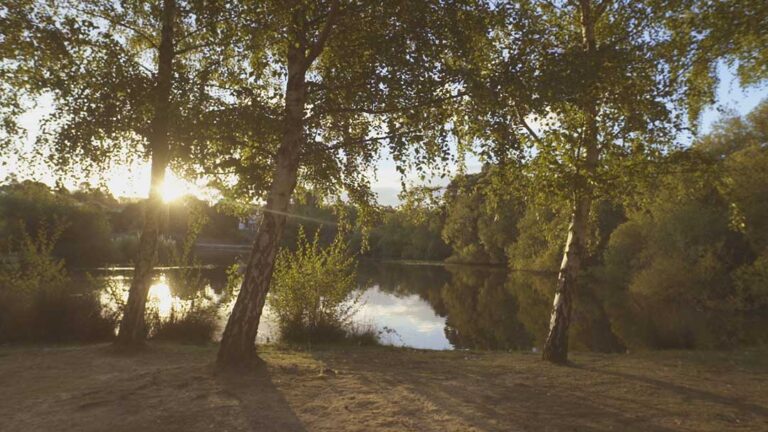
column 127, row 55
column 601, row 8
column 550, row 4
column 194, row 47
column 122, row 24
column 234, row 142
column 317, row 47
column 393, row 110
column 341, row 144
column 205, row 27
column 527, row 127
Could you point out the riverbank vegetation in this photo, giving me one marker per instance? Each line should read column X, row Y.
column 40, row 302
column 315, row 292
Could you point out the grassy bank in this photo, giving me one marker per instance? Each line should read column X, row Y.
column 175, row 388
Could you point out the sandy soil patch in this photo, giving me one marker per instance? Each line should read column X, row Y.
column 175, row 388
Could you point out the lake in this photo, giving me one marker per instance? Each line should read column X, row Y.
column 470, row 307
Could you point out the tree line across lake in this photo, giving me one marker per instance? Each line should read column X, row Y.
column 576, row 110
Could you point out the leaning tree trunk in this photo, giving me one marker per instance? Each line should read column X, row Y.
column 556, row 346
column 132, row 331
column 238, row 341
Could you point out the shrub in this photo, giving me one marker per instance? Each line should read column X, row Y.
column 189, row 273
column 40, row 302
column 669, row 277
column 193, row 321
column 313, row 291
column 752, row 285
column 193, row 317
column 367, row 334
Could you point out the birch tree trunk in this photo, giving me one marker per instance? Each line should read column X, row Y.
column 132, row 331
column 237, row 343
column 556, row 346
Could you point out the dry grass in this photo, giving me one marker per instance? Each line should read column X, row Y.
column 175, row 388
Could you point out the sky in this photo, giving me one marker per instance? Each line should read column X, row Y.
column 133, row 181
column 732, row 97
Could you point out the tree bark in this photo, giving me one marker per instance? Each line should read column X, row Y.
column 238, row 341
column 132, row 330
column 556, row 346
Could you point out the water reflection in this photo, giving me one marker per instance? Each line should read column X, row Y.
column 172, row 293
column 413, row 320
column 491, row 309
column 461, row 307
column 161, row 299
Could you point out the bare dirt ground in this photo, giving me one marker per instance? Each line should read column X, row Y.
column 175, row 388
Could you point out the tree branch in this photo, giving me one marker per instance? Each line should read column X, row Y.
column 344, row 143
column 373, row 111
column 317, row 47
column 122, row 24
column 194, row 47
column 125, row 52
column 527, row 127
column 601, row 8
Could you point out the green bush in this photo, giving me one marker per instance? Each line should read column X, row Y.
column 539, row 247
column 313, row 292
column 38, row 299
column 193, row 322
column 194, row 318
column 677, row 275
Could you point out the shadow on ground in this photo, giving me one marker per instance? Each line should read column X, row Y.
column 175, row 388
column 164, row 388
column 261, row 403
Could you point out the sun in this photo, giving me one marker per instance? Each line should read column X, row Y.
column 173, row 189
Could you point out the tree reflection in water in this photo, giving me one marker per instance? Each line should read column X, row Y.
column 489, row 308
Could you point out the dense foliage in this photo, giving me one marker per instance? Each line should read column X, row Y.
column 696, row 239
column 85, row 237
column 313, row 294
column 97, row 229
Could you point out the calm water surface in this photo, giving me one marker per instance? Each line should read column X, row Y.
column 464, row 307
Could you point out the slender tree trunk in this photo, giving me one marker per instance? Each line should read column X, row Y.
column 132, row 331
column 556, row 345
column 238, row 341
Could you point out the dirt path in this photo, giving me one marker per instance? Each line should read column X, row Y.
column 174, row 388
